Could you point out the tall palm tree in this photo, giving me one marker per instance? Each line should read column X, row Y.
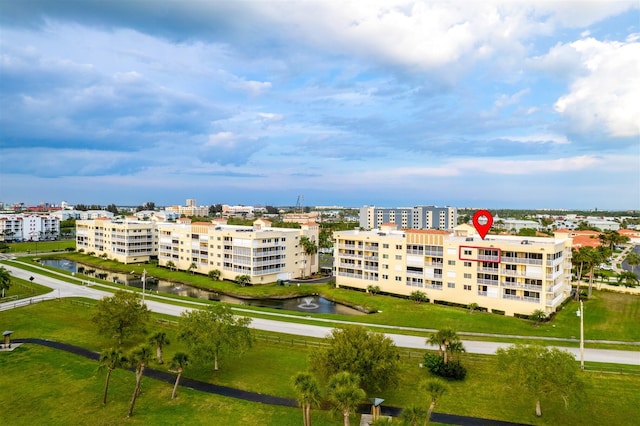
column 345, row 393
column 215, row 274
column 159, row 340
column 138, row 359
column 628, row 279
column 435, row 389
column 579, row 259
column 5, row 279
column 633, row 259
column 178, row 363
column 310, row 249
column 111, row 359
column 171, row 265
column 191, row 267
column 306, row 387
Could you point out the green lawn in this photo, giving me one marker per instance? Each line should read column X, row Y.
column 53, row 387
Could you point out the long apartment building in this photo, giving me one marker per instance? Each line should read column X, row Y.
column 264, row 253
column 28, row 227
column 418, row 217
column 126, row 240
column 504, row 274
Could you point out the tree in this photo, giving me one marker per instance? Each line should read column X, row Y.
column 447, row 341
column 5, row 279
column 243, row 280
column 414, row 415
column 612, row 238
column 473, row 307
column 171, row 265
column 538, row 316
column 579, row 258
column 627, row 279
column 111, row 359
column 138, row 359
column 215, row 274
column 373, row 289
column 306, row 386
column 435, row 389
column 344, row 393
column 122, row 315
column 418, row 296
column 310, row 248
column 159, row 339
column 537, row 372
column 633, row 259
column 209, row 332
column 191, row 267
column 371, row 356
column 178, row 363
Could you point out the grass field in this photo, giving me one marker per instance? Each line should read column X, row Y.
column 53, row 387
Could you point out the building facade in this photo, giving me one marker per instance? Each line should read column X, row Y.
column 127, row 240
column 502, row 274
column 29, row 227
column 418, row 217
column 264, row 253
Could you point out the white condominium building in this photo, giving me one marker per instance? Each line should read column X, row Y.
column 502, row 274
column 127, row 240
column 418, row 217
column 263, row 253
column 29, row 227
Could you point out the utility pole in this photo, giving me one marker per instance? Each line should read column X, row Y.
column 144, row 280
column 581, row 335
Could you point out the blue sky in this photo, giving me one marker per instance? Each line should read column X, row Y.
column 513, row 104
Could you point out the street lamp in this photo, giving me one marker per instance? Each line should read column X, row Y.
column 144, row 280
column 580, row 313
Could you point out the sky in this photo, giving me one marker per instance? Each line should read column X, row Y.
column 492, row 104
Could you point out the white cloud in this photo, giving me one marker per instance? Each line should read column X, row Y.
column 506, row 100
column 605, row 99
column 540, row 138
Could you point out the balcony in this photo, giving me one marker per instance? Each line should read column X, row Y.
column 521, row 298
column 487, row 281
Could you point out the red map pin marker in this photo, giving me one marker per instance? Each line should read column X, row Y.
column 482, row 221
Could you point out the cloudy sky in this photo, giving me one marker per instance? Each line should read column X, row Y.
column 519, row 104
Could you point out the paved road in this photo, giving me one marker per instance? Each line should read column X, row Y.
column 65, row 289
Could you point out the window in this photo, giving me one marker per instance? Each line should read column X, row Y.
column 467, row 287
column 467, row 252
column 467, row 276
column 385, row 277
column 451, row 262
column 385, row 266
column 398, row 257
column 398, row 246
column 398, row 278
column 467, row 264
column 385, row 256
column 451, row 285
column 385, row 246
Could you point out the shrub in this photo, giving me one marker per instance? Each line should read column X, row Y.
column 452, row 370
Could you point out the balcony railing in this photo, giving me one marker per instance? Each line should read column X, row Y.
column 521, row 298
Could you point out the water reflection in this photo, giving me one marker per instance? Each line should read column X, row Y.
column 309, row 304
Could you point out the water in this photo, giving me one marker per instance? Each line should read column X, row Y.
column 309, row 304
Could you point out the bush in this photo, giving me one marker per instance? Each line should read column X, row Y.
column 452, row 370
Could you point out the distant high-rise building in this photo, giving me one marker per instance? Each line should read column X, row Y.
column 418, row 217
column 191, row 202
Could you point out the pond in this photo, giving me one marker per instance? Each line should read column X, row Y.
column 309, row 304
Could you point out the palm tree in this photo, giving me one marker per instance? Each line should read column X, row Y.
column 310, row 248
column 306, row 387
column 414, row 414
column 444, row 339
column 538, row 316
column 192, row 267
column 345, row 393
column 5, row 279
column 579, row 258
column 435, row 388
column 111, row 359
column 215, row 274
column 159, row 339
column 138, row 359
column 243, row 280
column 179, row 361
column 171, row 265
column 628, row 279
column 633, row 259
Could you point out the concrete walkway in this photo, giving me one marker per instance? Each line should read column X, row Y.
column 159, row 304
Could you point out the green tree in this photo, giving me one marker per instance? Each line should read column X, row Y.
column 308, row 391
column 627, row 279
column 344, row 394
column 138, row 359
column 414, row 415
column 373, row 289
column 371, row 356
column 192, row 267
column 159, row 340
column 580, row 258
column 418, row 296
column 435, row 389
column 243, row 280
column 309, row 248
column 633, row 259
column 447, row 342
column 611, row 239
column 537, row 372
column 215, row 274
column 212, row 331
column 171, row 265
column 122, row 315
column 5, row 279
column 178, row 363
column 538, row 316
column 111, row 359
